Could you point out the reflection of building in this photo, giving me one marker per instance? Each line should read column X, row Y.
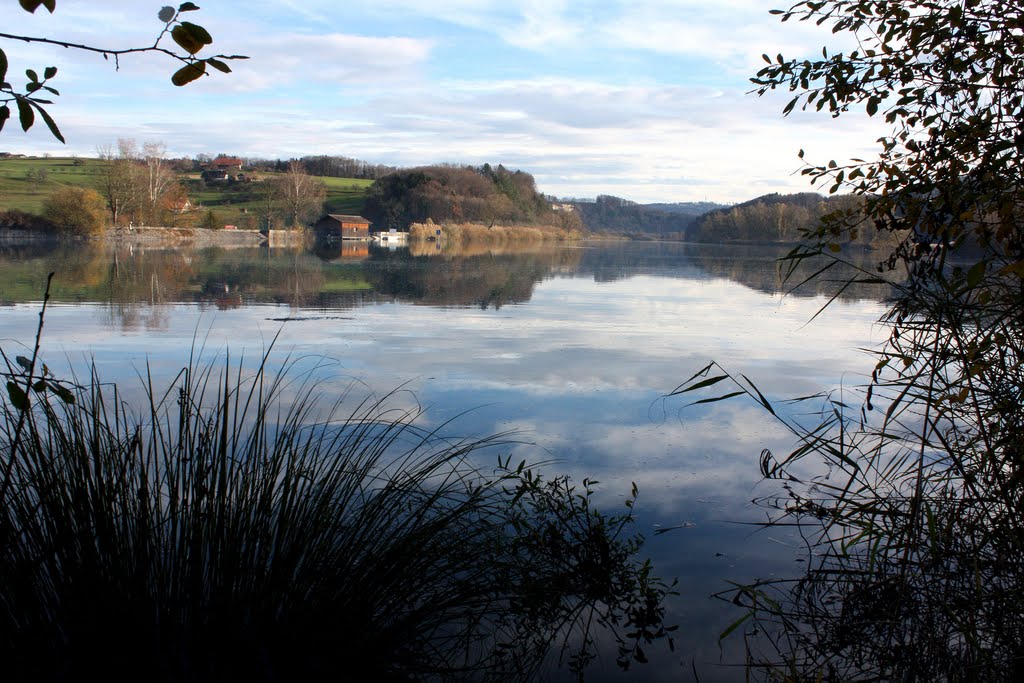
column 391, row 237
column 339, row 226
column 347, row 250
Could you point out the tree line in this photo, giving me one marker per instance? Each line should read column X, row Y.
column 320, row 165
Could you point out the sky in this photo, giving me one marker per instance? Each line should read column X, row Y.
column 643, row 99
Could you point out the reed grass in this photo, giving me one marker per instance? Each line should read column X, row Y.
column 234, row 526
column 912, row 519
column 464, row 234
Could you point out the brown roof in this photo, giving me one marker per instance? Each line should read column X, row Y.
column 342, row 218
column 227, row 161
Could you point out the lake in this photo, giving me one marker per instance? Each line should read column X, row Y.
column 572, row 348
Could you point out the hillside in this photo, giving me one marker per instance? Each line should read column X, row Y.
column 484, row 195
column 772, row 218
column 614, row 215
column 26, row 183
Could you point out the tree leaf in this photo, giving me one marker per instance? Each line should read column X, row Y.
column 188, row 73
column 218, row 65
column 49, row 72
column 33, row 5
column 23, row 362
column 50, row 123
column 166, row 14
column 976, row 273
column 3, row 66
column 5, row 113
column 17, row 395
column 191, row 37
column 187, row 7
column 25, row 114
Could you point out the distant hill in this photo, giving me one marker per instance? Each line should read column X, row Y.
column 778, row 218
column 614, row 215
column 686, row 208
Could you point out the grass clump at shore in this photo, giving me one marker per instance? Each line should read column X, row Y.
column 233, row 526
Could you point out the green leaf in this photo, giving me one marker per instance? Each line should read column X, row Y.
column 191, row 37
column 17, row 395
column 32, row 75
column 975, row 274
column 188, row 73
column 187, row 7
column 733, row 626
column 25, row 114
column 3, row 66
column 5, row 113
column 50, row 123
column 49, row 72
column 23, row 362
column 166, row 14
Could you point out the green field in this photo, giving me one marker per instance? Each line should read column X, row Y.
column 22, row 188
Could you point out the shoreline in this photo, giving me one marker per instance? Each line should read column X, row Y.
column 166, row 237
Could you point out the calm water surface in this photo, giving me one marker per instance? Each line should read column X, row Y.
column 570, row 347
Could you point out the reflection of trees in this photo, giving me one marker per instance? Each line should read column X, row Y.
column 484, row 280
column 135, row 282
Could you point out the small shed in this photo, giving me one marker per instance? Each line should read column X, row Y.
column 339, row 226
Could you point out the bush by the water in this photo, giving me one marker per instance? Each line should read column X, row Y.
column 76, row 211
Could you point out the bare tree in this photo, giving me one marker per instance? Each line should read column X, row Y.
column 118, row 177
column 159, row 178
column 302, row 194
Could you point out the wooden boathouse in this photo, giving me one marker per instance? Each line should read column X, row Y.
column 340, row 226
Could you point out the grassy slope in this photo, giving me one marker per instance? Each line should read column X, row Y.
column 344, row 195
column 18, row 192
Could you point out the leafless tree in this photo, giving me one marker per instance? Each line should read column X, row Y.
column 302, row 194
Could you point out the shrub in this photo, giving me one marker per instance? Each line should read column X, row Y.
column 76, row 211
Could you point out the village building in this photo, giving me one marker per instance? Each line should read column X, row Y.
column 340, row 226
column 226, row 164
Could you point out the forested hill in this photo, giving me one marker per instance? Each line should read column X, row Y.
column 615, row 215
column 771, row 218
column 462, row 194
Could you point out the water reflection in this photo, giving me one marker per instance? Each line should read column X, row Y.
column 351, row 274
column 571, row 346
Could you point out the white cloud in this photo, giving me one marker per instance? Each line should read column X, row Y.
column 643, row 101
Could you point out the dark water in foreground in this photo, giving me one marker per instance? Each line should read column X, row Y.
column 571, row 348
